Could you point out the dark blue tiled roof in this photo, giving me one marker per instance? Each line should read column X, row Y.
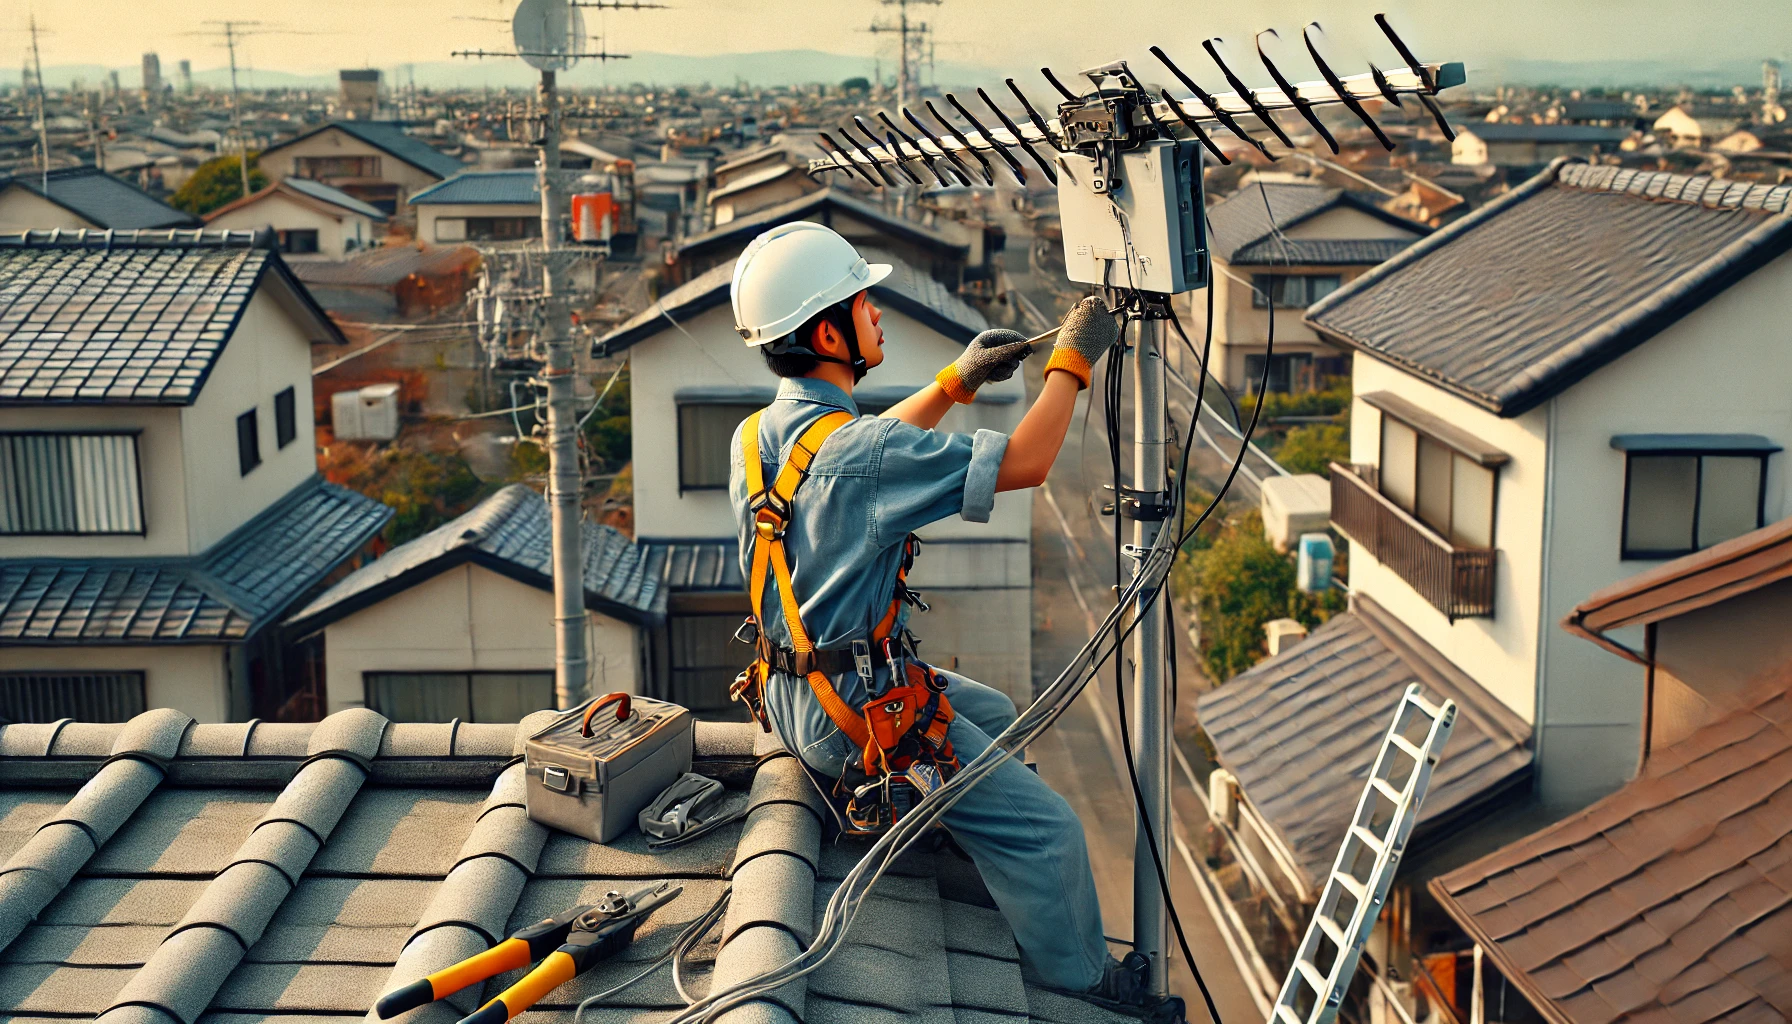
column 1240, row 230
column 239, row 586
column 1534, row 291
column 334, row 196
column 517, row 187
column 93, row 317
column 105, row 201
column 906, row 290
column 390, row 138
column 694, row 566
column 509, row 533
column 1301, row 730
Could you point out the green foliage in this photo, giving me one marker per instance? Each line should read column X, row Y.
column 1332, row 400
column 856, row 84
column 1240, row 581
column 1313, row 447
column 216, row 182
column 426, row 489
column 608, row 437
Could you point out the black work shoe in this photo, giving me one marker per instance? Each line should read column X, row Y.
column 1125, row 987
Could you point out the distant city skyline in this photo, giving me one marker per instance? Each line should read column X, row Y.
column 995, row 34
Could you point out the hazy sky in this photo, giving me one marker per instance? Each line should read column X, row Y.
column 997, row 33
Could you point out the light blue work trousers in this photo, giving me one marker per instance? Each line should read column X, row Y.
column 1024, row 838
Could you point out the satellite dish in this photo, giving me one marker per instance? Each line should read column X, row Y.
column 549, row 34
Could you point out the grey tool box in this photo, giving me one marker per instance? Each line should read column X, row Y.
column 590, row 774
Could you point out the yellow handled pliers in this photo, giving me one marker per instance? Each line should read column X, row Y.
column 569, row 943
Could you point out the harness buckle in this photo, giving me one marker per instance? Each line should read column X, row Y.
column 748, row 633
column 861, row 660
column 768, row 523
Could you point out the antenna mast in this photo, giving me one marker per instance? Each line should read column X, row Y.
column 909, row 35
column 43, row 118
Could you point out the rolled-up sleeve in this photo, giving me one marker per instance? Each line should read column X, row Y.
column 924, row 476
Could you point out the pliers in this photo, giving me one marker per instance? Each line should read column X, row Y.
column 570, row 944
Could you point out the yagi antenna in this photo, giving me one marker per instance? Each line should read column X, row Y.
column 1121, row 113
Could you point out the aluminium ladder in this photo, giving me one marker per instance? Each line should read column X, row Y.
column 1367, row 860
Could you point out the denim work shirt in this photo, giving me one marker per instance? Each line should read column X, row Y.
column 874, row 481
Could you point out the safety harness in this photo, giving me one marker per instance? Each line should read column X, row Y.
column 900, row 733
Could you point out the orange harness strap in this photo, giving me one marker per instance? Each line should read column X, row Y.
column 770, row 518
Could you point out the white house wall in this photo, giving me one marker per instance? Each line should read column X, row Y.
column 1345, row 222
column 1499, row 652
column 1722, row 369
column 266, row 354
column 161, row 471
column 429, row 213
column 24, row 210
column 190, row 678
column 468, row 618
column 335, row 142
column 283, row 213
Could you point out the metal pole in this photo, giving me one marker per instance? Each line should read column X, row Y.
column 902, row 89
column 236, row 109
column 43, row 117
column 1151, row 710
column 565, row 491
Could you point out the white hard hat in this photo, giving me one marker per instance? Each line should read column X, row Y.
column 791, row 273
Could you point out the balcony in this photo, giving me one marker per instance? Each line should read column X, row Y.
column 1457, row 581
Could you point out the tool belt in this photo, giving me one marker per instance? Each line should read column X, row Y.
column 900, row 732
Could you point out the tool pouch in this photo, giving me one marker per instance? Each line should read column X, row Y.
column 592, row 770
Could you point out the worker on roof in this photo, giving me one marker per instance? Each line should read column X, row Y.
column 833, row 558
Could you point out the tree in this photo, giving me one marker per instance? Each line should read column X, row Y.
column 1312, row 448
column 216, row 182
column 856, row 84
column 1241, row 582
column 425, row 489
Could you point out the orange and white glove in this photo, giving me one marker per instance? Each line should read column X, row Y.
column 993, row 355
column 1088, row 331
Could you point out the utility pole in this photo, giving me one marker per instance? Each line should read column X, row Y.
column 1152, row 714
column 43, row 118
column 236, row 102
column 909, row 35
column 565, row 489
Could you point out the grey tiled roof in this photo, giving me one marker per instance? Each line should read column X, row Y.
column 1561, row 134
column 105, row 201
column 1301, row 730
column 228, row 593
column 511, row 187
column 742, row 229
column 238, row 872
column 684, row 566
column 97, row 317
column 907, row 290
column 1240, row 230
column 334, row 196
column 390, row 138
column 509, row 533
column 1522, row 298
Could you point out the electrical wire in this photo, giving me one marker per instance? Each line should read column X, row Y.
column 681, row 945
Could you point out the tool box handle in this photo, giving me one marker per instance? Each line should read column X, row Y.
column 622, row 712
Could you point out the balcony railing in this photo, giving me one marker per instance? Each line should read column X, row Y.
column 1458, row 581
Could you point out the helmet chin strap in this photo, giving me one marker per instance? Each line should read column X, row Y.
column 857, row 360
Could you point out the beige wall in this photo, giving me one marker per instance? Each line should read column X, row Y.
column 335, row 142
column 1344, row 222
column 161, row 462
column 429, row 213
column 1722, row 651
column 781, row 190
column 24, row 210
column 468, row 618
column 266, row 354
column 1500, row 652
column 988, row 632
column 191, row 678
column 284, row 213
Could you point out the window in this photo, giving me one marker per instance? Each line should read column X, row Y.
column 1286, row 373
column 70, row 484
column 704, row 434
column 82, row 696
column 704, row 659
column 248, row 443
column 468, row 696
column 1292, row 291
column 500, row 229
column 321, row 167
column 1447, row 490
column 451, row 229
column 1683, row 493
column 286, row 426
column 298, row 240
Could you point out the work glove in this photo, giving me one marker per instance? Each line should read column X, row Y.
column 1088, row 331
column 993, row 355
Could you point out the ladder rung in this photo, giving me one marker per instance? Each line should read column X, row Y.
column 1386, row 788
column 1406, row 745
column 1331, row 930
column 1369, row 839
column 1287, row 1014
column 1351, row 885
column 1314, row 978
column 1431, row 710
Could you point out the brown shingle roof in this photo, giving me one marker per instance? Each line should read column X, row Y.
column 1668, row 901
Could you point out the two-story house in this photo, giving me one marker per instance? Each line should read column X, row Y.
column 693, row 382
column 1316, row 239
column 160, row 506
column 1581, row 379
column 480, row 206
column 377, row 162
column 310, row 219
